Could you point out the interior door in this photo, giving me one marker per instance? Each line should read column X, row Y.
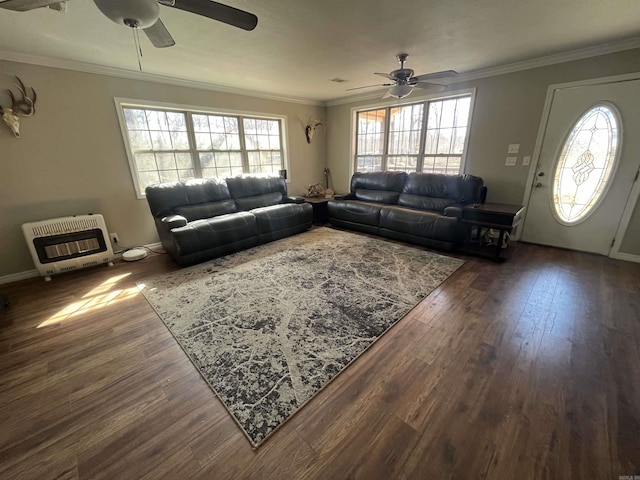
column 594, row 232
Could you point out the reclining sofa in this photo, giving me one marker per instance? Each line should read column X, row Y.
column 205, row 218
column 420, row 208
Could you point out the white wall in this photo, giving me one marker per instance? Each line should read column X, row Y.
column 71, row 157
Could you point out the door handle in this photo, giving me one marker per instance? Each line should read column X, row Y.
column 538, row 185
column 541, row 174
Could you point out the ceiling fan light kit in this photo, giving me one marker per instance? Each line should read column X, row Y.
column 404, row 81
column 137, row 14
column 400, row 91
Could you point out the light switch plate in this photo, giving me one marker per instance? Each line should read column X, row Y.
column 526, row 160
column 511, row 161
column 513, row 148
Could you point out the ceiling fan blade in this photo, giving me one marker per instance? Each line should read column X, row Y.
column 385, row 75
column 26, row 5
column 217, row 11
column 434, row 87
column 435, row 75
column 370, row 86
column 387, row 94
column 159, row 35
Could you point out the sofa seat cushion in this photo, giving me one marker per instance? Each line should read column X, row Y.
column 355, row 211
column 206, row 233
column 206, row 210
column 419, row 223
column 282, row 217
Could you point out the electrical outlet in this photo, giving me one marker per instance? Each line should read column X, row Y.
column 114, row 237
column 526, row 160
column 513, row 148
column 511, row 161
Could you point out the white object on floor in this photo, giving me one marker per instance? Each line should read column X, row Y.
column 134, row 254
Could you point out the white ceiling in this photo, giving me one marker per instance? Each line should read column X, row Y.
column 299, row 46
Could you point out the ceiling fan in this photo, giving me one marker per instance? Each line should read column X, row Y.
column 145, row 14
column 403, row 80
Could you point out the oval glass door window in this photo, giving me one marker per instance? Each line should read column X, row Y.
column 587, row 162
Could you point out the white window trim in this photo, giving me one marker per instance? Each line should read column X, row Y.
column 130, row 102
column 406, row 101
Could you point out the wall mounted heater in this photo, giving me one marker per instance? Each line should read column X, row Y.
column 63, row 244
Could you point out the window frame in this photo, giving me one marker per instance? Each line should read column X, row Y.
column 188, row 110
column 471, row 92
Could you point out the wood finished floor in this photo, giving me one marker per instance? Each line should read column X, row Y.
column 524, row 370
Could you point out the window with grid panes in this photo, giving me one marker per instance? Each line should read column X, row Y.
column 170, row 145
column 402, row 138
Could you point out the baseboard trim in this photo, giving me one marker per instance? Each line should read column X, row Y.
column 627, row 257
column 16, row 277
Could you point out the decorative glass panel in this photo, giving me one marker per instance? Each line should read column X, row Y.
column 586, row 164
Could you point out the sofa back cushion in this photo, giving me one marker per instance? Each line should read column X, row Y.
column 166, row 198
column 254, row 191
column 433, row 191
column 380, row 187
column 206, row 210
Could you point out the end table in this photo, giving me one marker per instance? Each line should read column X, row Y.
column 498, row 216
column 320, row 209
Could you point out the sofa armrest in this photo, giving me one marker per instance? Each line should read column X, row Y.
column 174, row 221
column 453, row 211
column 345, row 196
column 292, row 199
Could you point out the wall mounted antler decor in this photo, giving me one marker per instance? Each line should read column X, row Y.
column 24, row 107
column 311, row 128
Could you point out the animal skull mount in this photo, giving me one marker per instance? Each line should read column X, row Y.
column 310, row 129
column 24, row 107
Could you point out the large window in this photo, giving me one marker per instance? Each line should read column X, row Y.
column 168, row 145
column 403, row 138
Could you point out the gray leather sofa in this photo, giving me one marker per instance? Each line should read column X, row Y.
column 420, row 208
column 205, row 218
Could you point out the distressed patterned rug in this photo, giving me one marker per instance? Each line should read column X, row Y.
column 270, row 326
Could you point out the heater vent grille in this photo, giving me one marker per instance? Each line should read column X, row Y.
column 47, row 229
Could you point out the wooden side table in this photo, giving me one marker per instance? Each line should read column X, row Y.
column 320, row 209
column 498, row 216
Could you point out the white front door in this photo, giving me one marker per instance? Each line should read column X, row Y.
column 570, row 206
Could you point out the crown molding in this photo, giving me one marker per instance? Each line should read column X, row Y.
column 578, row 54
column 145, row 77
column 553, row 59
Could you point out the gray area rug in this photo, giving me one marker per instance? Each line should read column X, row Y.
column 269, row 327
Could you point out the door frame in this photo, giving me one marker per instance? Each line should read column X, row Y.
column 635, row 190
